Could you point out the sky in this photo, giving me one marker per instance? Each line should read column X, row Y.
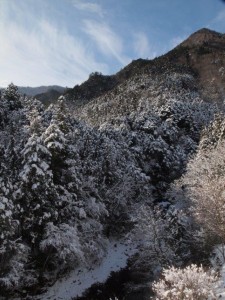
column 47, row 42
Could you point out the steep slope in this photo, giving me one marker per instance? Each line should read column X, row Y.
column 204, row 52
column 95, row 86
column 98, row 84
column 202, row 36
column 196, row 65
column 71, row 188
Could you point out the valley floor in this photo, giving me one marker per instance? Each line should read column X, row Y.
column 79, row 280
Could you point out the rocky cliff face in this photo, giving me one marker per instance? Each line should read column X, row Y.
column 204, row 53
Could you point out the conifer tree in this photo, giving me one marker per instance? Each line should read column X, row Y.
column 35, row 194
column 12, row 97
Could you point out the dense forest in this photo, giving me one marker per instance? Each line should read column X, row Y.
column 143, row 162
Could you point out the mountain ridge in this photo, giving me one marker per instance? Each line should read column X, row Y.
column 200, row 55
column 32, row 91
column 201, row 36
column 74, row 179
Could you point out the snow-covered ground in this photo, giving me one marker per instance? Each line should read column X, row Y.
column 218, row 263
column 80, row 280
column 220, row 292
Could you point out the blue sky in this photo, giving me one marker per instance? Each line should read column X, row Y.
column 45, row 42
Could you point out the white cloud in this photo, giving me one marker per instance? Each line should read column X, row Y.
column 42, row 52
column 88, row 7
column 108, row 42
column 142, row 47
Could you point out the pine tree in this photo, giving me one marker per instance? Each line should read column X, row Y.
column 35, row 194
column 12, row 97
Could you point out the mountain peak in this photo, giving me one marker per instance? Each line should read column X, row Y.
column 206, row 31
column 202, row 36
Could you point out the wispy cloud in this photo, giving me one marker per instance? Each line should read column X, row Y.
column 218, row 22
column 108, row 42
column 88, row 7
column 142, row 47
column 220, row 16
column 42, row 52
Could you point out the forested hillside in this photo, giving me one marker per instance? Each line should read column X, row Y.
column 140, row 159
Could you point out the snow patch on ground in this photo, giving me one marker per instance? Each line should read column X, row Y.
column 79, row 280
column 218, row 263
column 220, row 291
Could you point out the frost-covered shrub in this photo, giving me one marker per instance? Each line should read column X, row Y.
column 203, row 189
column 162, row 236
column 213, row 134
column 62, row 244
column 191, row 283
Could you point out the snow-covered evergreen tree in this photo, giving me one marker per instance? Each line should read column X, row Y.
column 12, row 97
column 35, row 193
column 62, row 246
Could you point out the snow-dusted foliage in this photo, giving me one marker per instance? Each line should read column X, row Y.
column 203, row 189
column 66, row 187
column 63, row 243
column 34, row 192
column 217, row 260
column 17, row 274
column 12, row 97
column 6, row 209
column 191, row 283
column 162, row 234
column 213, row 134
column 54, row 138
